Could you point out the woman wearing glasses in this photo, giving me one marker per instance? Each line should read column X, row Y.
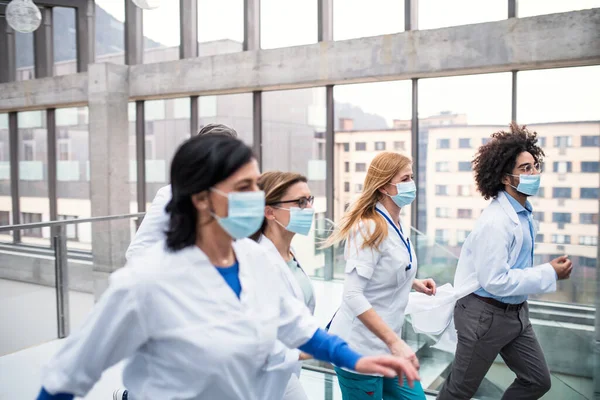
column 197, row 315
column 381, row 266
column 288, row 212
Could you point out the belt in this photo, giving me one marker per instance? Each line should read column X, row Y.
column 499, row 304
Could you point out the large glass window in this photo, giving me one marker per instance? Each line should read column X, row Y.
column 441, row 13
column 378, row 17
column 110, row 31
column 5, row 192
column 220, row 26
column 285, row 23
column 33, row 173
column 456, row 113
column 233, row 110
column 369, row 118
column 24, row 56
column 529, row 8
column 161, row 33
column 566, row 114
column 72, row 173
column 65, row 40
column 293, row 140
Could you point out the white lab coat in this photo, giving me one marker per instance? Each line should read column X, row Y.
column 387, row 291
column 154, row 224
column 485, row 262
column 183, row 330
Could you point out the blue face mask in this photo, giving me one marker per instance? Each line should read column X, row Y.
column 529, row 185
column 407, row 191
column 245, row 214
column 301, row 220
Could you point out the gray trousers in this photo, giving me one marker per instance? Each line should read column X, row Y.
column 484, row 331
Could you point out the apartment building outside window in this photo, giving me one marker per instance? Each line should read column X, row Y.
column 563, row 141
column 559, row 217
column 588, row 240
column 441, row 190
column 464, row 213
column 442, row 212
column 541, row 192
column 590, row 166
column 539, row 216
column 443, row 143
column 347, row 187
column 71, row 229
column 561, row 193
column 464, row 166
column 589, row 193
column 442, row 166
column 379, row 146
column 31, row 218
column 590, row 141
column 346, row 147
column 562, row 167
column 360, row 146
column 461, row 236
column 4, row 218
column 464, row 190
column 346, row 166
column 588, row 218
column 542, row 141
column 359, row 187
column 442, row 236
column 561, row 239
column 360, row 167
column 484, row 141
column 400, row 146
column 464, row 143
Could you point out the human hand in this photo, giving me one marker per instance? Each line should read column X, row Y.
column 426, row 286
column 388, row 366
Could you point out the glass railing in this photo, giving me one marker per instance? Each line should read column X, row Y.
column 46, row 291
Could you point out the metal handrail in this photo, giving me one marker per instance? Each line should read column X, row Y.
column 69, row 222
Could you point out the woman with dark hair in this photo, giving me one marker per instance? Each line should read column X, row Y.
column 288, row 211
column 198, row 314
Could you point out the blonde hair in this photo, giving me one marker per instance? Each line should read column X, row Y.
column 384, row 167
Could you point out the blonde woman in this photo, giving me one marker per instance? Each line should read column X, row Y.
column 381, row 266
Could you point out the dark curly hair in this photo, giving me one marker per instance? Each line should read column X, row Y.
column 498, row 157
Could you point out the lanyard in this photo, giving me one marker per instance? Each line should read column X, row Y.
column 400, row 233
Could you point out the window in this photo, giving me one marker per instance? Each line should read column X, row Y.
column 31, row 218
column 539, row 238
column 589, row 193
column 282, row 23
column 461, row 236
column 464, row 166
column 359, row 187
column 590, row 166
column 441, row 236
column 563, row 166
column 441, row 190
column 562, row 141
column 400, row 146
column 465, row 213
column 360, row 146
column 346, row 166
column 561, row 217
column 484, row 141
column 542, row 192
column 379, row 146
column 346, row 147
column 561, row 239
column 561, row 193
column 71, row 229
column 443, row 166
column 443, row 143
column 542, row 141
column 539, row 215
column 464, row 143
column 588, row 218
column 588, row 240
column 464, row 190
column 360, row 167
column 442, row 212
column 4, row 218
column 64, row 151
column 590, row 141
column 347, row 187
column 28, row 150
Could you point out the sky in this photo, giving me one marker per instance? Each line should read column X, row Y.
column 543, row 96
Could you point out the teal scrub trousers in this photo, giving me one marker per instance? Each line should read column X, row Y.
column 367, row 387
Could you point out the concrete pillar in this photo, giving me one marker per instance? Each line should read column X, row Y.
column 109, row 167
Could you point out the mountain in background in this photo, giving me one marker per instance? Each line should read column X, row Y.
column 110, row 37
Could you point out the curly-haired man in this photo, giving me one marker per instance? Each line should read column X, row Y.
column 497, row 257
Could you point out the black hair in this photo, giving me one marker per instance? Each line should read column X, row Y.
column 200, row 163
column 217, row 129
column 498, row 157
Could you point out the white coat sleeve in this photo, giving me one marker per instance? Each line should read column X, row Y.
column 296, row 325
column 112, row 332
column 363, row 260
column 154, row 225
column 354, row 298
column 491, row 252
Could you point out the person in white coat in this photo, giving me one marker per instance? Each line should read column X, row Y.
column 197, row 315
column 156, row 221
column 288, row 212
column 381, row 266
column 497, row 260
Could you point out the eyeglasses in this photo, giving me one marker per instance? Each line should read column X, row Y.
column 302, row 202
column 529, row 168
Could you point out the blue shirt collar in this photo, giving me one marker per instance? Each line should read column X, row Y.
column 517, row 206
